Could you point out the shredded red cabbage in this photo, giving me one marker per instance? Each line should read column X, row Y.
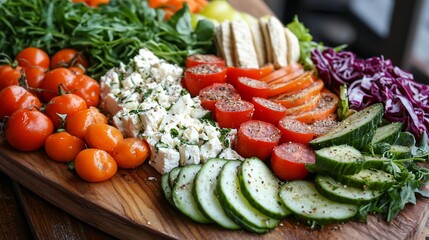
column 375, row 80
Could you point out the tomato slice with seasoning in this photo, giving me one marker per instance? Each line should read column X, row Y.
column 295, row 131
column 267, row 69
column 232, row 113
column 288, row 160
column 213, row 93
column 199, row 59
column 201, row 76
column 299, row 97
column 233, row 73
column 321, row 127
column 308, row 106
column 282, row 72
column 267, row 110
column 284, row 85
column 249, row 88
column 257, row 139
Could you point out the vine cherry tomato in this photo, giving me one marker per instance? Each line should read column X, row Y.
column 63, row 107
column 130, row 152
column 232, row 113
column 213, row 93
column 95, row 165
column 201, row 76
column 80, row 121
column 14, row 98
column 9, row 76
column 27, row 129
column 199, row 59
column 268, row 111
column 68, row 58
column 63, row 147
column 103, row 136
column 249, row 88
column 77, row 70
column 33, row 57
column 295, row 131
column 257, row 139
column 53, row 79
column 87, row 88
column 288, row 160
column 34, row 77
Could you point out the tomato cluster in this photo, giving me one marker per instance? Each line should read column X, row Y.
column 276, row 112
column 51, row 103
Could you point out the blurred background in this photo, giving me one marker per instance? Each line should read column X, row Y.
column 396, row 29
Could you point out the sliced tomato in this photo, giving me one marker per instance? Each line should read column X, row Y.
column 201, row 76
column 291, row 85
column 308, row 106
column 299, row 97
column 321, row 127
column 288, row 160
column 232, row 113
column 233, row 73
column 249, row 88
column 199, row 59
column 213, row 93
column 325, row 108
column 282, row 72
column 257, row 139
column 267, row 110
column 267, row 69
column 295, row 131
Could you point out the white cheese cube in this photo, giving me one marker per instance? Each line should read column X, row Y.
column 189, row 154
column 164, row 160
column 210, row 149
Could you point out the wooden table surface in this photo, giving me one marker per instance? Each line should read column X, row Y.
column 24, row 215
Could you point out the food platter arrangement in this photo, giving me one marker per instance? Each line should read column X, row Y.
column 191, row 119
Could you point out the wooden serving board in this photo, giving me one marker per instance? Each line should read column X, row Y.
column 131, row 206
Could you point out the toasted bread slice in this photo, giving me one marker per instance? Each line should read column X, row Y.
column 278, row 43
column 244, row 50
column 227, row 43
column 293, row 53
column 259, row 43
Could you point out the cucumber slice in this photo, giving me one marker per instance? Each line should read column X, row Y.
column 369, row 179
column 400, row 152
column 356, row 130
column 173, row 176
column 303, row 200
column 204, row 193
column 375, row 162
column 261, row 187
column 339, row 160
column 182, row 194
column 387, row 133
column 236, row 204
column 166, row 188
column 336, row 191
column 406, row 139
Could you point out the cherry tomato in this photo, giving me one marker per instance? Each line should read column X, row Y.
column 267, row 69
column 34, row 77
column 9, row 76
column 63, row 147
column 296, row 98
column 249, row 88
column 257, row 139
column 321, row 127
column 14, row 98
column 27, row 129
column 80, row 121
column 295, row 131
column 306, row 107
column 289, row 84
column 33, row 57
column 77, row 70
column 68, row 58
column 233, row 73
column 96, row 3
column 67, row 104
column 201, row 76
column 232, row 113
column 268, row 111
column 213, row 93
column 103, row 136
column 288, row 160
column 199, row 59
column 130, row 152
column 282, row 72
column 87, row 88
column 95, row 165
column 52, row 80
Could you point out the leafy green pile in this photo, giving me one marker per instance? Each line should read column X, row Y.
column 107, row 35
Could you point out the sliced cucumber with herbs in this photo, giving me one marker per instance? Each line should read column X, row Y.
column 166, row 188
column 173, row 176
column 369, row 179
column 336, row 191
column 338, row 160
column 182, row 194
column 406, row 139
column 261, row 187
column 375, row 162
column 204, row 193
column 303, row 200
column 235, row 203
column 387, row 133
column 356, row 130
column 400, row 152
